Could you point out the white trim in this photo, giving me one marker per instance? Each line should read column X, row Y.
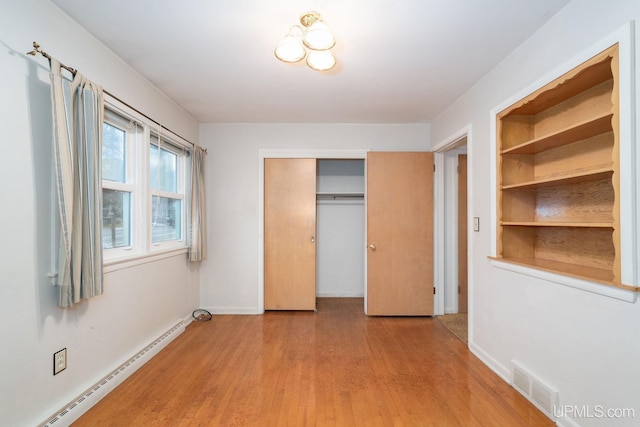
column 585, row 285
column 566, row 422
column 470, row 237
column 438, row 233
column 122, row 263
column 439, row 268
column 500, row 370
column 294, row 154
column 452, row 140
column 340, row 294
column 629, row 160
column 234, row 310
column 450, row 231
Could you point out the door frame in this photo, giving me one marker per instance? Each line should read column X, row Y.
column 440, row 233
column 298, row 154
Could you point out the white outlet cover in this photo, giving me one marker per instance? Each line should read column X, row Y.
column 59, row 361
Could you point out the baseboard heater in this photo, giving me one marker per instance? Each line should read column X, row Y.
column 95, row 393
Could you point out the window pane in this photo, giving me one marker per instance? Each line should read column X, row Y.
column 113, row 154
column 164, row 169
column 116, row 219
column 166, row 216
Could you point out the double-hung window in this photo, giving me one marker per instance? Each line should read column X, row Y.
column 166, row 178
column 143, row 189
column 119, row 189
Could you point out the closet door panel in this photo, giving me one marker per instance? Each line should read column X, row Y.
column 400, row 233
column 289, row 234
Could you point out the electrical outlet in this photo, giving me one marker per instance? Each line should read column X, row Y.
column 476, row 223
column 59, row 361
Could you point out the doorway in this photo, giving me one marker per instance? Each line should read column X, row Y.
column 340, row 228
column 454, row 281
column 452, row 225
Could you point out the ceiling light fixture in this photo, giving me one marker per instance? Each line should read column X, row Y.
column 314, row 36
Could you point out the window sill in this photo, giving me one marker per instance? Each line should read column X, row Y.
column 132, row 261
column 585, row 285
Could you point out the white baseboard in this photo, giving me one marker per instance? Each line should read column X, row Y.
column 90, row 397
column 233, row 310
column 502, row 371
column 340, row 295
column 566, row 422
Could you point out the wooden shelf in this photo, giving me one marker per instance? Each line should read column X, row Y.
column 576, row 178
column 578, row 271
column 558, row 175
column 557, row 224
column 567, row 86
column 565, row 136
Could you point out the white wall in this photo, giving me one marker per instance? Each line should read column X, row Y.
column 340, row 248
column 583, row 344
column 229, row 278
column 140, row 303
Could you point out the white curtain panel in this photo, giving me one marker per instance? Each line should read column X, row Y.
column 78, row 111
column 198, row 208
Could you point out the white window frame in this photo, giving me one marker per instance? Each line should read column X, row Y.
column 140, row 129
column 131, row 184
column 173, row 147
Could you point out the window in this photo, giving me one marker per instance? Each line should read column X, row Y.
column 166, row 165
column 118, row 188
column 143, row 188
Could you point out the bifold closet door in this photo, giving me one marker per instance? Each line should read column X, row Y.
column 289, row 234
column 400, row 234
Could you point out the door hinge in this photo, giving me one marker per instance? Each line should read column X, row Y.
column 434, row 167
column 458, row 168
column 459, row 290
column 434, row 290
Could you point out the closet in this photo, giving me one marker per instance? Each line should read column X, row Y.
column 310, row 203
column 314, row 231
column 340, row 228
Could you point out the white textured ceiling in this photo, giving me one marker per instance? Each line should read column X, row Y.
column 399, row 61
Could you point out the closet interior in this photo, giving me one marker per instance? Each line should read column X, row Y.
column 340, row 247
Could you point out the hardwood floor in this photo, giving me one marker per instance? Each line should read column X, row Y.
column 334, row 368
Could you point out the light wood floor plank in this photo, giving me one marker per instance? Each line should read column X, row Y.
column 334, row 368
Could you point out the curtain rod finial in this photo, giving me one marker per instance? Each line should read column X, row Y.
column 36, row 49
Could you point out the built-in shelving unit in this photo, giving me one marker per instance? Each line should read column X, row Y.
column 558, row 175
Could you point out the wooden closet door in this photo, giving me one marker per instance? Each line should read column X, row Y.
column 400, row 234
column 289, row 234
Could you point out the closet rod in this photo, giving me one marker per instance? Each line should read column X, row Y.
column 339, row 196
column 37, row 49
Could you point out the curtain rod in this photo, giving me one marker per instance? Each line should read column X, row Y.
column 37, row 49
